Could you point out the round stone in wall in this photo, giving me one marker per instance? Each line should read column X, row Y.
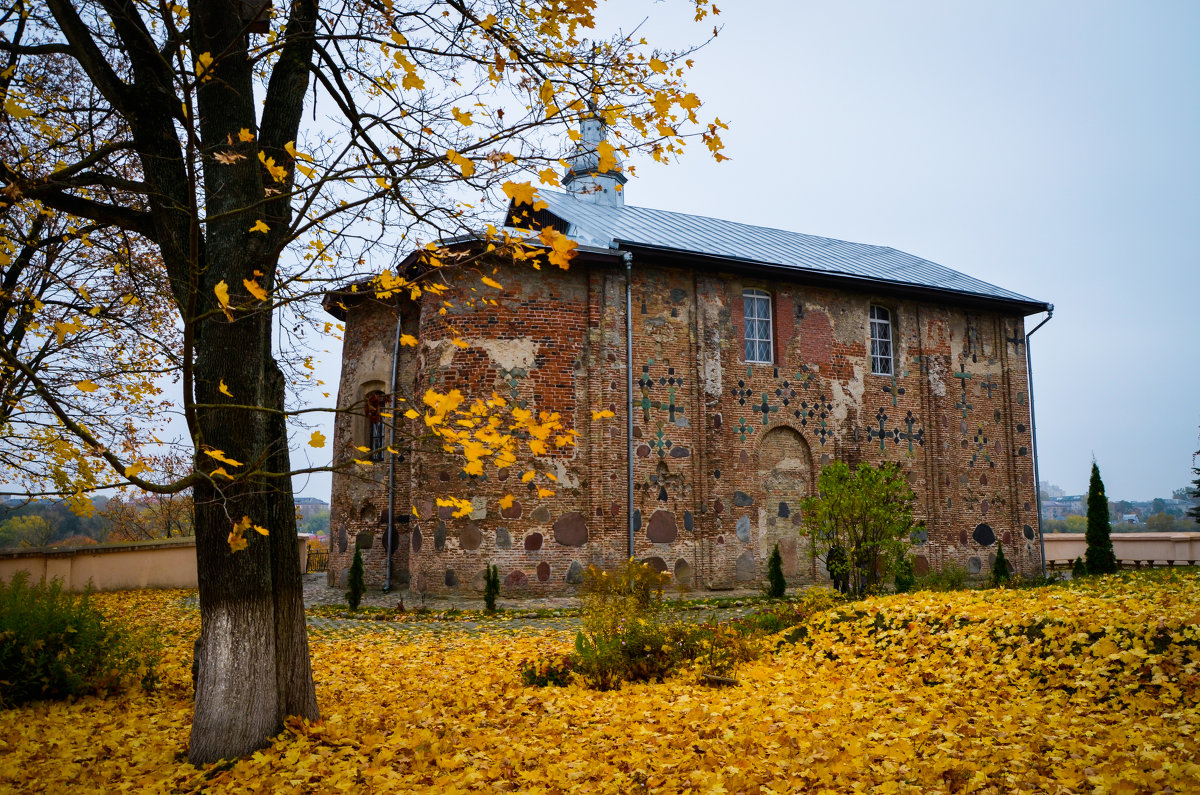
column 503, row 539
column 416, row 539
column 974, row 565
column 744, row 569
column 643, row 451
column 683, row 573
column 661, row 529
column 784, row 510
column 516, row 579
column 718, row 507
column 540, row 514
column 656, row 563
column 1028, row 530
column 688, row 522
column 574, row 573
column 680, row 452
column 984, row 535
column 721, row 540
column 364, row 540
column 571, row 530
column 451, row 579
column 963, row 538
column 342, row 541
column 511, row 512
column 543, row 571
column 439, row 537
column 533, row 542
column 470, row 537
column 743, row 529
column 983, row 507
column 742, row 500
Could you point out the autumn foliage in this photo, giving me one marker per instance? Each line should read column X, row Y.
column 1087, row 686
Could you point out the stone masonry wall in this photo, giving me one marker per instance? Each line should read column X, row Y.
column 723, row 450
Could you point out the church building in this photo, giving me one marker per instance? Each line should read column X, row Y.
column 737, row 361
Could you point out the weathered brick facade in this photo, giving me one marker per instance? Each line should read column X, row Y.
column 723, row 450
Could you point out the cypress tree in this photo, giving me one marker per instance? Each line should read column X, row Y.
column 1194, row 511
column 776, row 585
column 491, row 587
column 1078, row 569
column 1000, row 567
column 357, row 588
column 1100, row 557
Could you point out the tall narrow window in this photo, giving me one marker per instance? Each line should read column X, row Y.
column 758, row 326
column 375, row 425
column 881, row 341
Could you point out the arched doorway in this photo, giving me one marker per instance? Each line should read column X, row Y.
column 785, row 470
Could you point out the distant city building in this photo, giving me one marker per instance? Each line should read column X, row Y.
column 1062, row 507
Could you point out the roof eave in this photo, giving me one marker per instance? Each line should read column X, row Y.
column 834, row 279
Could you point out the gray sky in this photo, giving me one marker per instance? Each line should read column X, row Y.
column 1052, row 148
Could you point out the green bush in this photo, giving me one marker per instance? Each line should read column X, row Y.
column 491, row 588
column 547, row 671
column 905, row 577
column 55, row 644
column 776, row 584
column 950, row 577
column 357, row 588
column 1079, row 569
column 999, row 567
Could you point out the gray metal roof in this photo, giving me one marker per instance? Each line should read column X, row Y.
column 608, row 226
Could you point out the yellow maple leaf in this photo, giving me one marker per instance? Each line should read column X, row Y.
column 220, row 456
column 545, row 492
column 608, row 159
column 317, row 440
column 528, row 476
column 290, row 148
column 86, row 386
column 224, row 390
column 133, row 469
column 520, row 192
column 254, row 288
column 222, row 293
column 203, row 64
column 465, row 164
column 228, row 158
column 262, row 531
column 657, row 65
column 408, row 339
column 15, row 110
column 245, row 135
column 506, row 502
column 602, row 415
column 490, row 282
column 462, row 117
column 237, row 543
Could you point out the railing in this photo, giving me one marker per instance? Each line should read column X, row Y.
column 318, row 561
column 1132, row 550
column 1066, row 565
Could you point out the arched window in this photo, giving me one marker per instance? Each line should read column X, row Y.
column 881, row 341
column 757, row 314
column 375, row 425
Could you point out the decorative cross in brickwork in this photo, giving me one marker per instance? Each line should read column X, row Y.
column 671, row 381
column 743, row 428
column 741, row 392
column 818, row 411
column 981, row 448
column 1017, row 341
column 989, row 385
column 918, row 437
column 881, row 434
column 962, row 402
column 765, row 408
column 805, row 377
column 785, row 393
column 661, row 443
column 893, row 389
column 973, row 342
column 513, row 378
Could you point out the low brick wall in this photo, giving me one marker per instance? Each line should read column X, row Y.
column 1144, row 548
column 114, row 567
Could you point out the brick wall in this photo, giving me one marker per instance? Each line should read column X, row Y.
column 723, row 451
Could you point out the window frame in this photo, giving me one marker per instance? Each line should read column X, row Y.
column 888, row 325
column 373, row 407
column 755, row 295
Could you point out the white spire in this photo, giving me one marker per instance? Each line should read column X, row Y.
column 584, row 177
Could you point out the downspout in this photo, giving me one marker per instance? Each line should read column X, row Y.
column 1037, row 481
column 391, row 531
column 628, row 257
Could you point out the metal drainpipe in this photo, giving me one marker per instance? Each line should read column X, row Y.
column 628, row 257
column 1037, row 481
column 391, row 531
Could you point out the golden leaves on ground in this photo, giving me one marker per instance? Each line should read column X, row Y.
column 1088, row 687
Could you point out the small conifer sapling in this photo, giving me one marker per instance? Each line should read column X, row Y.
column 357, row 588
column 491, row 587
column 776, row 584
column 1000, row 567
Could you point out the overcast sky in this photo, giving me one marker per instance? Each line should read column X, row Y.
column 1052, row 148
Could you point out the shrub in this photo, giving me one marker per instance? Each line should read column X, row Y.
column 776, row 584
column 547, row 671
column 999, row 567
column 1078, row 569
column 1099, row 556
column 355, row 594
column 905, row 577
column 950, row 577
column 491, row 588
column 55, row 644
